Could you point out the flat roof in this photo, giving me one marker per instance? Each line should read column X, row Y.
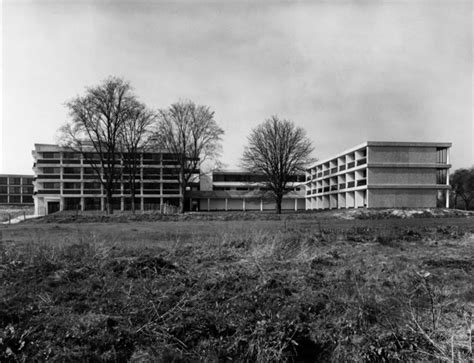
column 382, row 143
column 56, row 147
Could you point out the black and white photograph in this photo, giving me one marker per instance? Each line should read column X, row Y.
column 237, row 181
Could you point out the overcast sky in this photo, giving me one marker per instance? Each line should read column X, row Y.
column 345, row 71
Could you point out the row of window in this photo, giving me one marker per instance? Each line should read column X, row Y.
column 91, row 171
column 336, row 187
column 16, row 199
column 16, row 190
column 15, row 181
column 97, row 185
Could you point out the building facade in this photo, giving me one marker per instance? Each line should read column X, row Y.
column 381, row 175
column 237, row 190
column 65, row 180
column 16, row 189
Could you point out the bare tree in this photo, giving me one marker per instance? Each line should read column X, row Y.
column 279, row 150
column 133, row 139
column 191, row 133
column 97, row 119
column 462, row 182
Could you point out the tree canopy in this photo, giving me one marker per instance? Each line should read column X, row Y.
column 462, row 182
column 278, row 149
column 99, row 124
column 191, row 133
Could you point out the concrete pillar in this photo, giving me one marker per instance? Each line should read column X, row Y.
column 61, row 204
column 208, row 204
column 142, row 204
column 122, row 204
column 82, row 204
column 261, row 205
column 296, row 205
column 447, row 177
column 226, row 204
column 243, row 204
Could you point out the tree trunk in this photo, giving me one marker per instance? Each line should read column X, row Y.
column 181, row 198
column 132, row 195
column 278, row 204
column 108, row 203
column 182, row 190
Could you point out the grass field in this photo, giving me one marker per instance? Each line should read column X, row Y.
column 313, row 287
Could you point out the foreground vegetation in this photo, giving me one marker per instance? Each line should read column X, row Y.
column 238, row 290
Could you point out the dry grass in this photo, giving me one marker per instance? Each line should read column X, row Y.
column 241, row 290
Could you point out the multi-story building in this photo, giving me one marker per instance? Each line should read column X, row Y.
column 65, row 180
column 239, row 190
column 16, row 189
column 379, row 175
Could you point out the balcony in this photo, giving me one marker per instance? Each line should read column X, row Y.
column 342, row 167
column 362, row 161
column 351, row 184
column 333, row 188
column 350, row 165
column 361, row 182
column 342, row 186
column 334, row 170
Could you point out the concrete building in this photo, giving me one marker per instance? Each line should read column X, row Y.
column 380, row 175
column 16, row 189
column 237, row 190
column 65, row 180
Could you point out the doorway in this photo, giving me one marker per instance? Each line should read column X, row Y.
column 53, row 207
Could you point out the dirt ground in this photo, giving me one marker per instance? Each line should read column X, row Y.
column 313, row 287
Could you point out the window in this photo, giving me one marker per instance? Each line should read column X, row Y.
column 27, row 199
column 50, row 155
column 442, row 155
column 89, row 171
column 50, row 170
column 3, row 189
column 91, row 185
column 71, row 155
column 72, row 185
column 15, row 199
column 27, row 190
column 3, row 180
column 15, row 181
column 50, row 185
column 14, row 190
column 72, row 170
column 441, row 176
